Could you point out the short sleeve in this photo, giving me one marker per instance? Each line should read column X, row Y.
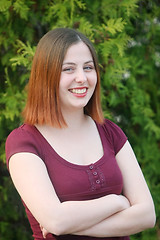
column 115, row 134
column 20, row 140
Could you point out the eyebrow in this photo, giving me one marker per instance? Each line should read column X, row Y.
column 71, row 63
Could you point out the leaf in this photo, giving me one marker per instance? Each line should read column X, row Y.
column 114, row 25
column 5, row 5
column 24, row 56
column 86, row 27
column 21, row 8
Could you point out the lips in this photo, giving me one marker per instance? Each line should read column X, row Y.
column 79, row 91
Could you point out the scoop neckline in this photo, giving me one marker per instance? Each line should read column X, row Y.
column 74, row 165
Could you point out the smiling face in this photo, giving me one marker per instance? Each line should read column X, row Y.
column 78, row 78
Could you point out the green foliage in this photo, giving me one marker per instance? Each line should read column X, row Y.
column 126, row 37
column 24, row 55
column 4, row 5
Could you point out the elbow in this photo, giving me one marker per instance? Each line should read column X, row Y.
column 153, row 223
column 150, row 217
column 58, row 225
column 145, row 217
column 56, row 221
column 56, row 228
column 150, row 223
column 61, row 229
column 152, row 220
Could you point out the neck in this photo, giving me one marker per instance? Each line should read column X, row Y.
column 74, row 119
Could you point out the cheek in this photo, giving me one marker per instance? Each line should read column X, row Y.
column 63, row 83
column 66, row 80
column 93, row 80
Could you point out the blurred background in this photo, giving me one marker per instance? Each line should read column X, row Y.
column 126, row 35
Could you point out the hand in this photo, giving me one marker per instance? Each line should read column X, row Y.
column 125, row 202
column 44, row 231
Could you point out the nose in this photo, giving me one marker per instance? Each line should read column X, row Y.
column 80, row 76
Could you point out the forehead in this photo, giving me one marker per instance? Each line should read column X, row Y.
column 78, row 52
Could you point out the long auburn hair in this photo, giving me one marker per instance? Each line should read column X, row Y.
column 43, row 104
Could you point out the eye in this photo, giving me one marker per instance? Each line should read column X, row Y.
column 68, row 69
column 88, row 68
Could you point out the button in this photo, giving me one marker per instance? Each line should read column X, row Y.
column 95, row 173
column 98, row 181
column 93, row 188
column 91, row 167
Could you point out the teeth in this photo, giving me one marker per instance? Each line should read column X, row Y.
column 79, row 91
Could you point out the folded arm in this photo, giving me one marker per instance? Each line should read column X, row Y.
column 32, row 181
column 140, row 215
column 107, row 216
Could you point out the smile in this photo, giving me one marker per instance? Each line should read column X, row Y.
column 78, row 90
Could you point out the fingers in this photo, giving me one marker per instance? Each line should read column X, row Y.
column 44, row 231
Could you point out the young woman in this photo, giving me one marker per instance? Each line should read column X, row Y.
column 74, row 170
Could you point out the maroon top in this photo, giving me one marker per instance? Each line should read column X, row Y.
column 72, row 181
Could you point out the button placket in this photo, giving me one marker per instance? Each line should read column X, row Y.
column 101, row 177
column 91, row 179
column 96, row 177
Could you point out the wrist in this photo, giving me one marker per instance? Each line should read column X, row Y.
column 117, row 202
column 123, row 202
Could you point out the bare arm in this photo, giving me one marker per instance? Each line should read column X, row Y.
column 141, row 214
column 32, row 181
